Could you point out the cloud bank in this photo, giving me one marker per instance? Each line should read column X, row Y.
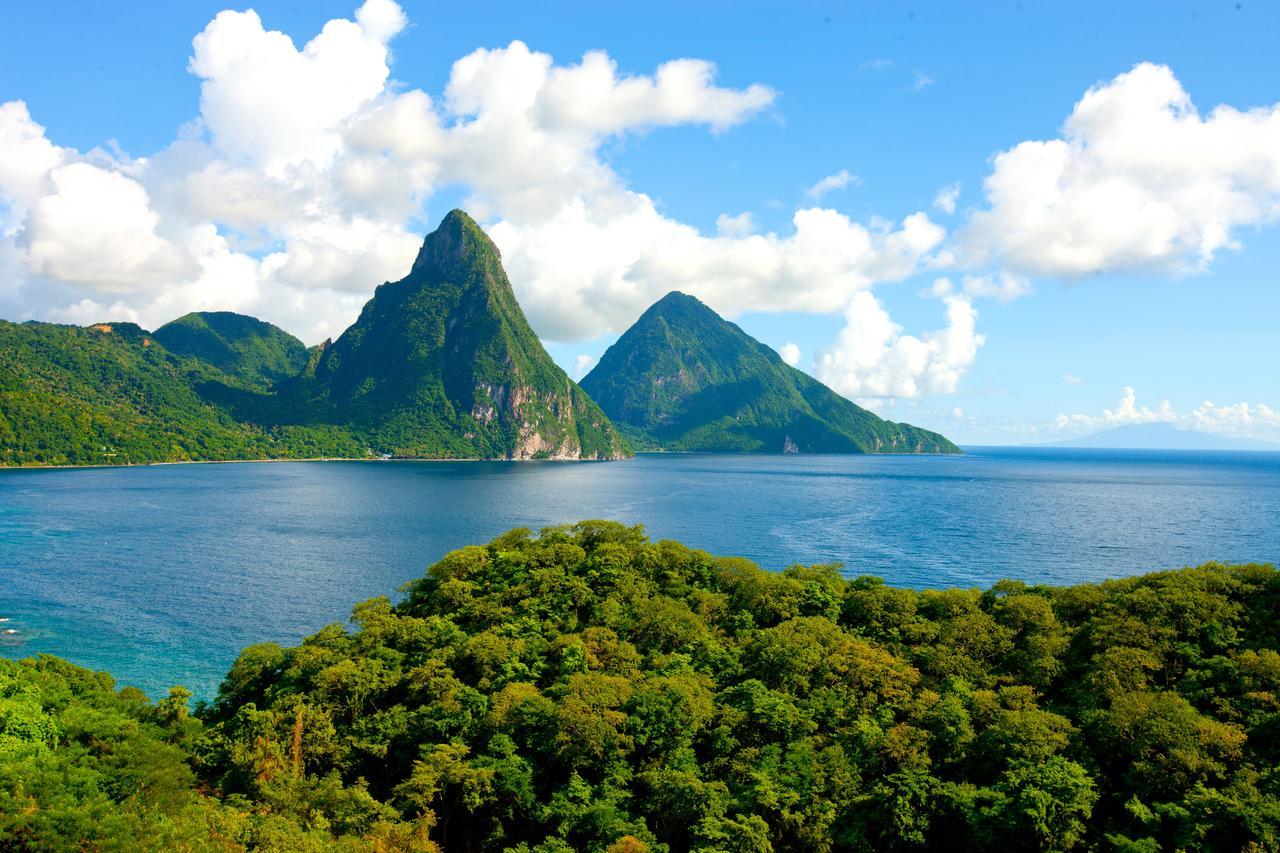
column 1239, row 420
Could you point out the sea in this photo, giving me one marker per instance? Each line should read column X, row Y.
column 161, row 574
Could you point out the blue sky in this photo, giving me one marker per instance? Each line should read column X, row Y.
column 910, row 101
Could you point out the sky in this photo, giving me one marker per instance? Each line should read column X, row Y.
column 1010, row 222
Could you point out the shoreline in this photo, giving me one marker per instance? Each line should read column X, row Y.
column 99, row 465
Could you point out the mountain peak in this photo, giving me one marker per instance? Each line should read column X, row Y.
column 457, row 237
column 444, row 363
column 677, row 302
column 676, row 297
column 684, row 378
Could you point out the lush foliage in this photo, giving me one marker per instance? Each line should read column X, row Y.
column 586, row 689
column 109, row 394
column 442, row 364
column 255, row 354
column 83, row 767
column 683, row 378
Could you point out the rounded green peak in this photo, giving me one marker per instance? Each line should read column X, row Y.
column 675, row 297
column 676, row 303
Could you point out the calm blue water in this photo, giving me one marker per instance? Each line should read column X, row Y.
column 161, row 575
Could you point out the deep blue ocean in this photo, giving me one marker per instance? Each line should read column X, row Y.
column 161, row 574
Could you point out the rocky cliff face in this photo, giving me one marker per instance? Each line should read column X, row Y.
column 443, row 363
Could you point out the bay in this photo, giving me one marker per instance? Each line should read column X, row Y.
column 161, row 574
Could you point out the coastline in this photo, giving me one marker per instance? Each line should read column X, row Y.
column 91, row 466
column 300, row 459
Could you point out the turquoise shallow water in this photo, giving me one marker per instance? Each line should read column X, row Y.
column 161, row 575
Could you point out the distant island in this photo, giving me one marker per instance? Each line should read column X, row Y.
column 440, row 365
column 586, row 689
column 1162, row 436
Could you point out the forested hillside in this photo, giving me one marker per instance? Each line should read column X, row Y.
column 586, row 689
column 111, row 394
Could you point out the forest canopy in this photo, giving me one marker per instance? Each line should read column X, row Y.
column 585, row 688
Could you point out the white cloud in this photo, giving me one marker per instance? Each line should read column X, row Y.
column 921, row 81
column 266, row 102
column 381, row 19
column 582, row 366
column 95, row 228
column 945, row 200
column 1240, row 420
column 872, row 358
column 735, row 226
column 790, row 353
column 592, row 97
column 1139, row 180
column 957, row 413
column 590, row 270
column 1071, row 379
column 26, row 159
column 1002, row 287
column 838, row 181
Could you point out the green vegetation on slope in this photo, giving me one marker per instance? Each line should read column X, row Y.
column 683, row 378
column 83, row 767
column 254, row 353
column 586, row 689
column 110, row 394
column 443, row 363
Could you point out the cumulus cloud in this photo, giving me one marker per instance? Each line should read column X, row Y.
column 95, row 227
column 1239, row 420
column 264, row 101
column 790, row 353
column 592, row 97
column 1002, row 287
column 582, row 366
column 1138, row 180
column 871, row 357
column 735, row 226
column 588, row 270
column 945, row 200
column 838, row 181
column 27, row 158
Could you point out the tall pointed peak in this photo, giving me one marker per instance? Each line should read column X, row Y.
column 458, row 236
